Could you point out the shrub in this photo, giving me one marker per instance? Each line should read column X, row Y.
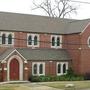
column 55, row 78
column 87, row 76
column 70, row 76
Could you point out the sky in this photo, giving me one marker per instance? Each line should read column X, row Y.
column 25, row 6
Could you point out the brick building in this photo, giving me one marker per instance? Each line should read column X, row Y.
column 39, row 45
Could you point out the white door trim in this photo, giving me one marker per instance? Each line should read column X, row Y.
column 20, row 67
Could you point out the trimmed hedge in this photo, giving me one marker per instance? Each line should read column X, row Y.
column 55, row 78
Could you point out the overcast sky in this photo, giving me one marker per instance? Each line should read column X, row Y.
column 24, row 6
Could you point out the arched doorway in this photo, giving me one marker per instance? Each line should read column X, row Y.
column 18, row 67
column 14, row 69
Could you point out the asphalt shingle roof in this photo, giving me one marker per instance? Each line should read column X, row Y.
column 40, row 24
column 39, row 54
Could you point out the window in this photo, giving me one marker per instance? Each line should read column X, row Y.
column 59, row 68
column 9, row 39
column 6, row 38
column 55, row 41
column 88, row 41
column 58, row 41
column 62, row 68
column 41, row 68
column 35, row 69
column 38, row 68
column 30, row 40
column 3, row 39
column 33, row 40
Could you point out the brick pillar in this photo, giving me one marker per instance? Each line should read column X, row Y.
column 4, row 71
column 26, row 70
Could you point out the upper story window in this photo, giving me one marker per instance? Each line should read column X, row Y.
column 29, row 40
column 33, row 40
column 62, row 68
column 88, row 42
column 10, row 39
column 38, row 68
column 3, row 37
column 56, row 41
column 6, row 38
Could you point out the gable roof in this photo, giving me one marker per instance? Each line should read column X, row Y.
column 40, row 24
column 5, row 53
column 39, row 54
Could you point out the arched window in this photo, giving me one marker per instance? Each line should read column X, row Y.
column 41, row 69
column 30, row 40
column 53, row 41
column 59, row 68
column 35, row 69
column 3, row 38
column 9, row 39
column 89, row 42
column 64, row 68
column 58, row 41
column 35, row 40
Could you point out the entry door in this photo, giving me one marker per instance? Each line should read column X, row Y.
column 14, row 69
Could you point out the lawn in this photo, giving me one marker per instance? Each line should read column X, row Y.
column 8, row 87
column 79, row 85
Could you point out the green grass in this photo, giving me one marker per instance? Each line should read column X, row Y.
column 8, row 87
column 79, row 85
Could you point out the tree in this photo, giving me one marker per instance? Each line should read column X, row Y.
column 56, row 8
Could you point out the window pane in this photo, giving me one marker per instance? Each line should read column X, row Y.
column 3, row 39
column 64, row 68
column 35, row 40
column 89, row 42
column 9, row 39
column 59, row 68
column 58, row 41
column 41, row 69
column 35, row 69
column 30, row 40
column 53, row 41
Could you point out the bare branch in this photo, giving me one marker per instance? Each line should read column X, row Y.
column 58, row 8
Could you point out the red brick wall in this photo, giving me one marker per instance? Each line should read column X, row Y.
column 45, row 41
column 85, row 52
column 72, row 44
column 50, row 67
column 20, row 39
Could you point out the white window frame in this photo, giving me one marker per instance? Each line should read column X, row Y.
column 38, row 64
column 6, row 33
column 56, row 41
column 62, row 63
column 33, row 35
column 88, row 42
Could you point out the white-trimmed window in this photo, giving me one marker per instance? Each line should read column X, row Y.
column 38, row 68
column 56, row 41
column 33, row 40
column 88, row 41
column 6, row 38
column 62, row 68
